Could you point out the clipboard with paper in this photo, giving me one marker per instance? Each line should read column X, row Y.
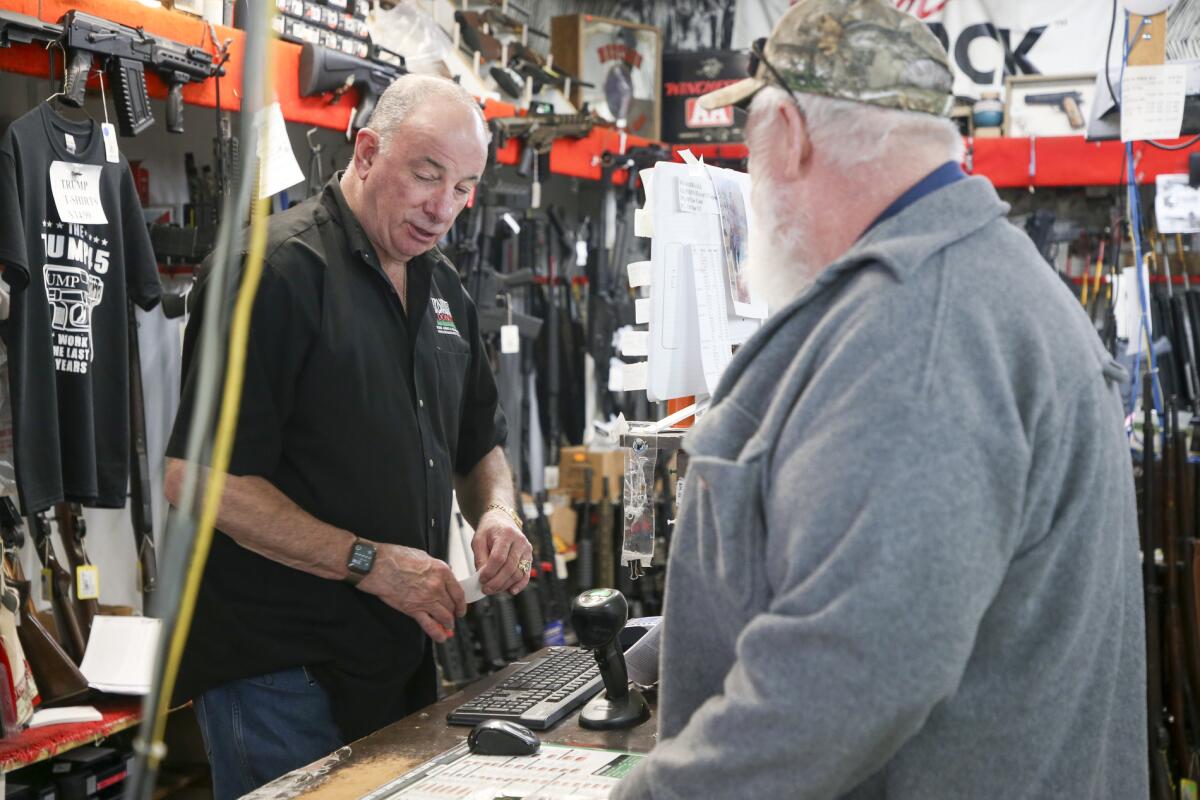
column 701, row 305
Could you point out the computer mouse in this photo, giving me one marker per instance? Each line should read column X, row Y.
column 500, row 737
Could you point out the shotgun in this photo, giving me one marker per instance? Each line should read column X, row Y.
column 141, row 511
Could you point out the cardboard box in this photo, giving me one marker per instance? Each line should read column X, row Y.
column 573, row 461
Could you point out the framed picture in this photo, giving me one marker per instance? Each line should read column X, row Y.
column 622, row 63
column 1048, row 105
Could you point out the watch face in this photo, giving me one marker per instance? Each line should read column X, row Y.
column 362, row 558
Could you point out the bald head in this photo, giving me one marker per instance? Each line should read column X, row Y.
column 410, row 95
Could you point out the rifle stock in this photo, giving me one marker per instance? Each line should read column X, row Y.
column 58, row 678
column 72, row 529
column 69, row 630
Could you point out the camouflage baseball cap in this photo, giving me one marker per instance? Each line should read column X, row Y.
column 860, row 50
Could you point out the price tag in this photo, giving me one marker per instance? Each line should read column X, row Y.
column 581, row 253
column 551, row 478
column 76, row 190
column 1187, row 789
column 510, row 339
column 87, row 582
column 47, row 591
column 109, row 133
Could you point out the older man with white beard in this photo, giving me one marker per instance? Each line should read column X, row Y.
column 907, row 564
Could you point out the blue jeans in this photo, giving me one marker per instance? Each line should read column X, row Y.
column 257, row 729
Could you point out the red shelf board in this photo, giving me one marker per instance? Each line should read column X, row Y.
column 38, row 744
column 1053, row 161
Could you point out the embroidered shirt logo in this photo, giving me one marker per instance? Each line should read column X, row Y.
column 443, row 318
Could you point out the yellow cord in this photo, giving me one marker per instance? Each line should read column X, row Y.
column 235, row 370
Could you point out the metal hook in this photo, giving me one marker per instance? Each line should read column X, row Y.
column 63, row 50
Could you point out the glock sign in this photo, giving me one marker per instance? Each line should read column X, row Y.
column 72, row 294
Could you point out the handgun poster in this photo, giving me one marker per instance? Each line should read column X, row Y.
column 555, row 771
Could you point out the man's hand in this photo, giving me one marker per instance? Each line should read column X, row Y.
column 499, row 548
column 419, row 585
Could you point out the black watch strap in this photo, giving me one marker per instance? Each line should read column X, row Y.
column 360, row 562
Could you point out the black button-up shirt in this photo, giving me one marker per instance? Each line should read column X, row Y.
column 361, row 414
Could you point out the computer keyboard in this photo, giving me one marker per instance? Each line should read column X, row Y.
column 539, row 694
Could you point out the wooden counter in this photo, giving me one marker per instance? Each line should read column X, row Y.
column 374, row 760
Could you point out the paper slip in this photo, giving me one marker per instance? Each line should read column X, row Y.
column 472, row 588
column 120, row 654
column 277, row 163
column 76, row 190
column 695, row 196
column 635, row 343
column 64, row 716
column 639, row 274
column 1176, row 205
column 633, row 377
column 715, row 350
column 1152, row 102
column 643, row 223
column 641, row 311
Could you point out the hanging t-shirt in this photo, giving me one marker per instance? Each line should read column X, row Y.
column 73, row 245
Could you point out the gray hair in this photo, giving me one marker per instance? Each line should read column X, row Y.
column 853, row 133
column 410, row 92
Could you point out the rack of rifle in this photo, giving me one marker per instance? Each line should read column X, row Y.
column 502, row 628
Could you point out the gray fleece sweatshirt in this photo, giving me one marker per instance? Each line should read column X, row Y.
column 907, row 562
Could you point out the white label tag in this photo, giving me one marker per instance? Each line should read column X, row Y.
column 581, row 253
column 76, row 190
column 551, row 478
column 277, row 163
column 633, row 377
column 109, row 133
column 512, row 224
column 510, row 339
column 639, row 274
column 1152, row 99
column 1176, row 205
column 695, row 196
column 535, row 195
column 87, row 582
column 70, row 140
column 641, row 311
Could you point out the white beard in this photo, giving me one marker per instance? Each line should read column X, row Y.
column 776, row 264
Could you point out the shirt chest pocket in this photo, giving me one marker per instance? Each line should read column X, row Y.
column 453, row 357
column 723, row 515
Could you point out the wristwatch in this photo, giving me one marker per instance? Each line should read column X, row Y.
column 362, row 558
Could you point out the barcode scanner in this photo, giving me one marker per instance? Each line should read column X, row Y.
column 599, row 616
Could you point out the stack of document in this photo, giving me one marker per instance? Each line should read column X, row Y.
column 64, row 716
column 120, row 654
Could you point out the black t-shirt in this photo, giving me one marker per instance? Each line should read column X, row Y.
column 67, row 333
column 361, row 414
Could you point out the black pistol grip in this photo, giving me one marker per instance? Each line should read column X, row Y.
column 366, row 106
column 75, row 80
column 175, row 108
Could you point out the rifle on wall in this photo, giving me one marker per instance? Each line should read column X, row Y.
column 70, row 630
column 141, row 510
column 73, row 529
column 58, row 678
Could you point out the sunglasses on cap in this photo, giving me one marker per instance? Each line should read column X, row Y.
column 758, row 55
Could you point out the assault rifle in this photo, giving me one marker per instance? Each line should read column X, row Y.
column 323, row 71
column 126, row 53
column 540, row 130
column 57, row 677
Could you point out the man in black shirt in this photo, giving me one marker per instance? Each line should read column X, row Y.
column 368, row 397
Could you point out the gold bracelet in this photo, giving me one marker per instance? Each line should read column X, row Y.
column 513, row 514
